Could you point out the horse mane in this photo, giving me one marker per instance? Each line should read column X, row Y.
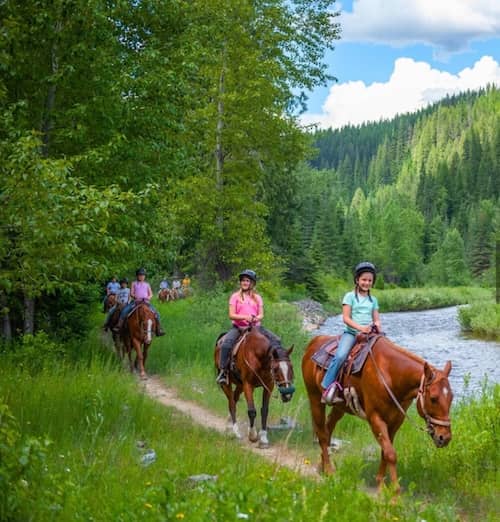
column 405, row 351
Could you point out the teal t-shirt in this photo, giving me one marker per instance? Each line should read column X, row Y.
column 361, row 309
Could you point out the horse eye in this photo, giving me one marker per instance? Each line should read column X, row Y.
column 434, row 400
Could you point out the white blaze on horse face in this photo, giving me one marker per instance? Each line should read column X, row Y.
column 285, row 370
column 446, row 391
column 149, row 330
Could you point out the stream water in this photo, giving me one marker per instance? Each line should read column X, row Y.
column 435, row 336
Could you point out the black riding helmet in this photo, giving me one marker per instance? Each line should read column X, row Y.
column 140, row 271
column 248, row 273
column 365, row 266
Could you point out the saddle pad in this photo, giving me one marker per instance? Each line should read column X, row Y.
column 325, row 352
column 356, row 358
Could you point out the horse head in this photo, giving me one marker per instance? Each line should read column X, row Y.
column 282, row 372
column 434, row 402
column 146, row 321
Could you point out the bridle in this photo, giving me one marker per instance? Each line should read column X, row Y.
column 284, row 386
column 431, row 422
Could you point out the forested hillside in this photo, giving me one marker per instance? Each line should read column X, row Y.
column 151, row 133
column 166, row 135
column 417, row 195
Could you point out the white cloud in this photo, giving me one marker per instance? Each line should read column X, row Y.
column 412, row 86
column 448, row 25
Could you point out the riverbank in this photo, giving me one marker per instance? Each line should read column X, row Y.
column 479, row 319
column 312, row 312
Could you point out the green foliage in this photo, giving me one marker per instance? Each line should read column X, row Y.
column 26, row 487
column 101, row 427
column 34, row 353
column 447, row 266
column 481, row 319
column 419, row 189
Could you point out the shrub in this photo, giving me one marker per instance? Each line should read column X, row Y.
column 25, row 485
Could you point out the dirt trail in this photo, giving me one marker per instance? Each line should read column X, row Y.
column 277, row 453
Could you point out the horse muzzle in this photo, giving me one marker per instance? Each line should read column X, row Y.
column 441, row 438
column 286, row 392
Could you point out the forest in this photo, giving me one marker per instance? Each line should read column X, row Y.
column 418, row 195
column 167, row 135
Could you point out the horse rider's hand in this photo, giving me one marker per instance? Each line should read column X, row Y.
column 366, row 329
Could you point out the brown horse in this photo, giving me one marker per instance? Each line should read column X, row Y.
column 164, row 295
column 381, row 392
column 137, row 335
column 256, row 365
column 109, row 302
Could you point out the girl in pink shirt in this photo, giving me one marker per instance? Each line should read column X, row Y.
column 246, row 309
column 140, row 291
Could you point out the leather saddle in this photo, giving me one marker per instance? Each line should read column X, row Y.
column 356, row 358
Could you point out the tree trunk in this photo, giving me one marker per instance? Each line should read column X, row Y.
column 6, row 325
column 29, row 315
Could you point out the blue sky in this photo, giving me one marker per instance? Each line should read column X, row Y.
column 397, row 56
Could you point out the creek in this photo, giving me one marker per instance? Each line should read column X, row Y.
column 435, row 336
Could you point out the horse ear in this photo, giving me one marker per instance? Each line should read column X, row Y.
column 447, row 368
column 429, row 374
column 290, row 350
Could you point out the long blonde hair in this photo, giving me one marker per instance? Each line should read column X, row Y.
column 251, row 293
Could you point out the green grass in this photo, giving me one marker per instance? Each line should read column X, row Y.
column 82, row 400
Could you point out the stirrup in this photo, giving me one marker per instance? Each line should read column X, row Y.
column 223, row 377
column 330, row 396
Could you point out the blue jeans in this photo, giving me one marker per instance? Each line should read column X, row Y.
column 346, row 342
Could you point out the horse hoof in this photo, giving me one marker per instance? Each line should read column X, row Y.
column 235, row 431
column 252, row 435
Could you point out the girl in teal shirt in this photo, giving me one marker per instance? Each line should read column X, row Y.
column 360, row 314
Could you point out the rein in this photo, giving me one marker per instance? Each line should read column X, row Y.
column 260, row 379
column 430, row 421
column 257, row 375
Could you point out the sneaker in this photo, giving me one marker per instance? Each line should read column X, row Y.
column 328, row 393
column 222, row 378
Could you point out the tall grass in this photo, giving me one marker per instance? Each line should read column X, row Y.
column 100, row 428
column 82, row 400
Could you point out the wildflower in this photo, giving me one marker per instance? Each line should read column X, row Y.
column 180, row 516
column 147, row 505
column 307, row 462
column 148, row 483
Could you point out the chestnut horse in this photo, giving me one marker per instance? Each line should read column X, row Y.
column 164, row 295
column 110, row 302
column 137, row 335
column 381, row 392
column 256, row 365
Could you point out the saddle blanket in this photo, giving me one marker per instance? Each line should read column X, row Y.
column 356, row 358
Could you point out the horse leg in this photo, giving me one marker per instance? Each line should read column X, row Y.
column 320, row 429
column 139, row 361
column 388, row 457
column 232, row 399
column 252, row 412
column 145, row 352
column 263, row 440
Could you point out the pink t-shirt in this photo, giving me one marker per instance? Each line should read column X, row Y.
column 248, row 306
column 141, row 290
